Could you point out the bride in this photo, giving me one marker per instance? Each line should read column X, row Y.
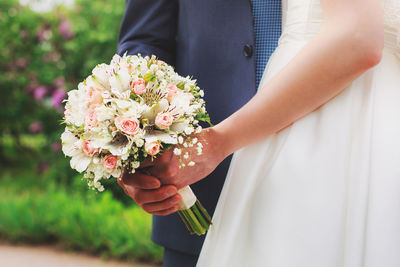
column 315, row 180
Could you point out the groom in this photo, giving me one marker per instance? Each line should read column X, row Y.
column 225, row 45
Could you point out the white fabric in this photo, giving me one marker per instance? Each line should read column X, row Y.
column 324, row 192
column 188, row 198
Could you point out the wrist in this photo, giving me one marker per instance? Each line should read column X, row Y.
column 221, row 141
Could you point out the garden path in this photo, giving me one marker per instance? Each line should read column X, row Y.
column 46, row 256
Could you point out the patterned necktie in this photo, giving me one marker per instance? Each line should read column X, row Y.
column 267, row 29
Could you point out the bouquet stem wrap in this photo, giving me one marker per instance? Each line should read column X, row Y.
column 193, row 214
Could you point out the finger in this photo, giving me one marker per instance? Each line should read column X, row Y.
column 166, row 166
column 167, row 173
column 172, row 202
column 150, row 196
column 165, row 212
column 148, row 162
column 121, row 184
column 119, row 181
column 165, row 157
column 140, row 180
column 161, row 159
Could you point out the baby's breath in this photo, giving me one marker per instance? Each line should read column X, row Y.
column 107, row 101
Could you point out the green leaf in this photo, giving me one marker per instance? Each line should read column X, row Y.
column 133, row 96
column 141, row 156
column 181, row 85
column 149, row 77
column 204, row 117
column 166, row 147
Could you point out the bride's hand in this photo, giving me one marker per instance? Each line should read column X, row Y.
column 154, row 186
column 167, row 168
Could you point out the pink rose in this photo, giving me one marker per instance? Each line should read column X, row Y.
column 139, row 86
column 128, row 125
column 152, row 148
column 164, row 120
column 91, row 117
column 172, row 91
column 89, row 149
column 109, row 162
column 94, row 96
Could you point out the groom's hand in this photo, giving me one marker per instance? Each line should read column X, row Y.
column 149, row 194
column 155, row 185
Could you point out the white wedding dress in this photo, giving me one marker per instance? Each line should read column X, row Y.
column 324, row 192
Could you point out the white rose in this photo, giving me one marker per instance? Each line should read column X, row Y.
column 181, row 102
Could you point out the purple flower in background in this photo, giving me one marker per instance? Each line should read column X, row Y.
column 42, row 167
column 65, row 30
column 58, row 96
column 56, row 146
column 39, row 92
column 36, row 127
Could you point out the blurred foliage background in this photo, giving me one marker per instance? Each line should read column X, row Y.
column 42, row 56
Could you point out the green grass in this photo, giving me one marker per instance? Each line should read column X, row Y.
column 36, row 209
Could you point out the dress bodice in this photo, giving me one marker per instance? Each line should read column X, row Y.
column 302, row 20
column 391, row 20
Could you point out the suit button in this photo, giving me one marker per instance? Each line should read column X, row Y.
column 248, row 50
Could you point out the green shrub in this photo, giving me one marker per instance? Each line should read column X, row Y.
column 43, row 55
column 93, row 222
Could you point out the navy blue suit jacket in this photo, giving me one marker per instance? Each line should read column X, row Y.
column 211, row 40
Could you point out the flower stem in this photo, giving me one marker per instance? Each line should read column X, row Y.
column 200, row 217
column 186, row 222
column 196, row 219
column 198, row 228
column 204, row 212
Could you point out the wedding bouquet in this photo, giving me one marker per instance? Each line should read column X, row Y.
column 134, row 108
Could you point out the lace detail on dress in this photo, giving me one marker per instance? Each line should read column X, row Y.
column 391, row 19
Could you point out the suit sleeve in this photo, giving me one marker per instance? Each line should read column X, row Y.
column 149, row 27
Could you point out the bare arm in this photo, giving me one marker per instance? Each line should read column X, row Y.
column 349, row 42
